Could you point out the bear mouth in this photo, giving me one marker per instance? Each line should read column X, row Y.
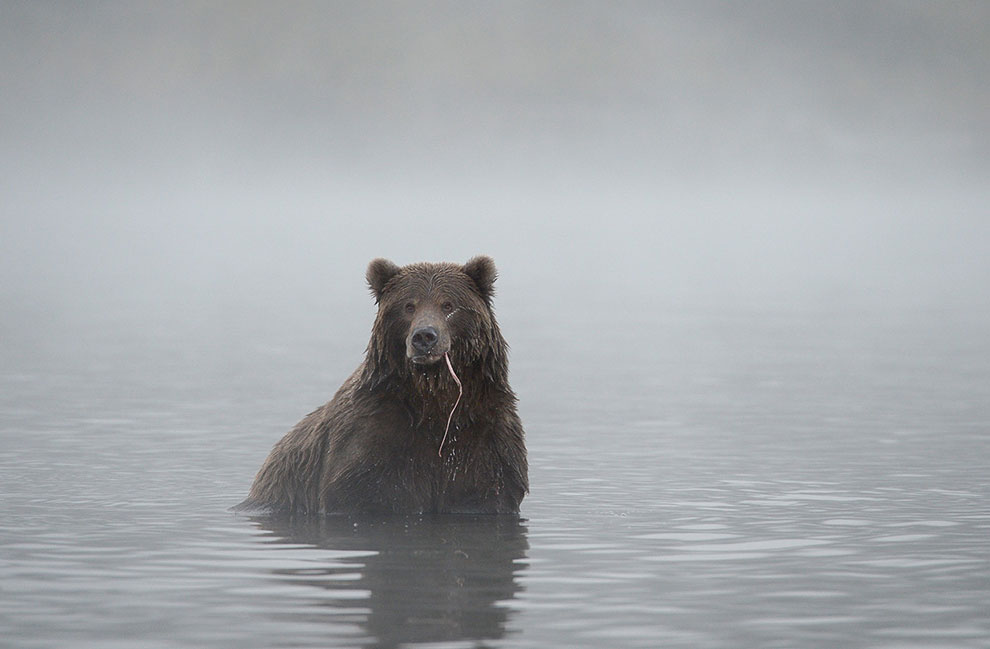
column 426, row 359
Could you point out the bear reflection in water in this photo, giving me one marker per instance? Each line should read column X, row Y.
column 431, row 579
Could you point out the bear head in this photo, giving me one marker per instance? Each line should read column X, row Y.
column 427, row 311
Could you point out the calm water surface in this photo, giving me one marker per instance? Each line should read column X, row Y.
column 751, row 478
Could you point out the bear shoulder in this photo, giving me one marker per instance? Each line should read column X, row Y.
column 290, row 476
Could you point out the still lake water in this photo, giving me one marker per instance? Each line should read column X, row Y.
column 721, row 478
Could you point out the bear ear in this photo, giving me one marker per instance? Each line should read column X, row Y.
column 380, row 271
column 482, row 270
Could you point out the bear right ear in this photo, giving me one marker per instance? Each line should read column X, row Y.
column 380, row 271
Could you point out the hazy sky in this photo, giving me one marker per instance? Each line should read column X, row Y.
column 156, row 155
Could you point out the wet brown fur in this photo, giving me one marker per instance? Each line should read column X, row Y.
column 373, row 447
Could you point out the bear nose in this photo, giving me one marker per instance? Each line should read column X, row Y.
column 424, row 339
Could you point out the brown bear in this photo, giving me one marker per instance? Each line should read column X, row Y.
column 426, row 424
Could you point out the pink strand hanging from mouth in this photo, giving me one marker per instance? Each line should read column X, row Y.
column 460, row 392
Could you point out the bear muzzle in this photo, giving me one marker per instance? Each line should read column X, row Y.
column 426, row 345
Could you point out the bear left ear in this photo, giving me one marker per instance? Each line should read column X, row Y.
column 380, row 271
column 482, row 270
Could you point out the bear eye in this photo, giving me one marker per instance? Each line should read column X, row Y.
column 447, row 307
column 410, row 307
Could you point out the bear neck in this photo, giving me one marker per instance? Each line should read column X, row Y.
column 429, row 393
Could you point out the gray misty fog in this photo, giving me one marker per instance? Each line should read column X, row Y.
column 744, row 270
column 247, row 159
